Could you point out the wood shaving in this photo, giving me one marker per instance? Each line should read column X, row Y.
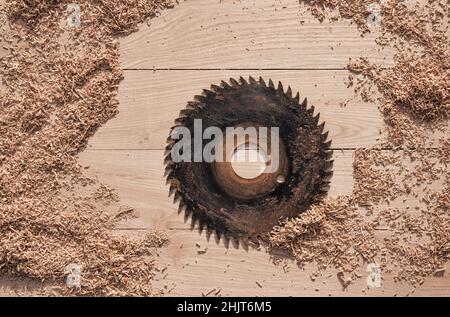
column 53, row 98
column 415, row 103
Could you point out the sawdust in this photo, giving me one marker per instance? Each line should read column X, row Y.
column 326, row 234
column 55, row 97
column 415, row 94
column 412, row 239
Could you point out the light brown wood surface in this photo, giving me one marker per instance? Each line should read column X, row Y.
column 199, row 43
column 151, row 101
column 138, row 175
column 246, row 34
column 187, row 49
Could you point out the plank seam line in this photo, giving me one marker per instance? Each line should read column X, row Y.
column 332, row 149
column 248, row 69
column 233, row 69
column 150, row 228
column 194, row 230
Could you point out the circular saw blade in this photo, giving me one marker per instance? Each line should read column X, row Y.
column 212, row 201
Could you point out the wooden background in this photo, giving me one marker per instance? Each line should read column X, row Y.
column 201, row 42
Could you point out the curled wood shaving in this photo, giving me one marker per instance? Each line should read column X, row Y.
column 54, row 95
column 415, row 100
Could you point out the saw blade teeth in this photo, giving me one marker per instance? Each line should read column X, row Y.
column 170, row 177
column 173, row 171
column 177, row 197
column 226, row 240
column 185, row 112
column 167, row 159
column 187, row 215
column 169, row 144
column 327, row 176
column 328, row 153
column 316, row 118
column 262, row 82
column 254, row 240
column 235, row 242
column 194, row 220
column 217, row 236
column 304, row 103
column 325, row 188
column 208, row 234
column 168, row 149
column 207, row 93
column 168, row 174
column 215, row 88
column 224, row 84
column 181, row 208
column 201, row 225
column 179, row 122
column 198, row 98
column 280, row 87
column 244, row 241
column 169, row 167
column 329, row 165
column 289, row 92
column 172, row 189
column 234, row 83
column 321, row 127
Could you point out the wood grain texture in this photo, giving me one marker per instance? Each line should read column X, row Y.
column 237, row 272
column 210, row 41
column 150, row 101
column 138, row 177
column 246, row 34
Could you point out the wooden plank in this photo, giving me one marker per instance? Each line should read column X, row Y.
column 246, row 34
column 150, row 101
column 237, row 272
column 138, row 177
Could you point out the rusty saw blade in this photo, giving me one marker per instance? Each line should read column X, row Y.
column 231, row 207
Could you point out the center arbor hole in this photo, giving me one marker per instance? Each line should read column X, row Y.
column 249, row 161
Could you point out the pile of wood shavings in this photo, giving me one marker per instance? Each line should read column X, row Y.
column 376, row 224
column 331, row 233
column 399, row 197
column 54, row 97
column 415, row 94
column 356, row 10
